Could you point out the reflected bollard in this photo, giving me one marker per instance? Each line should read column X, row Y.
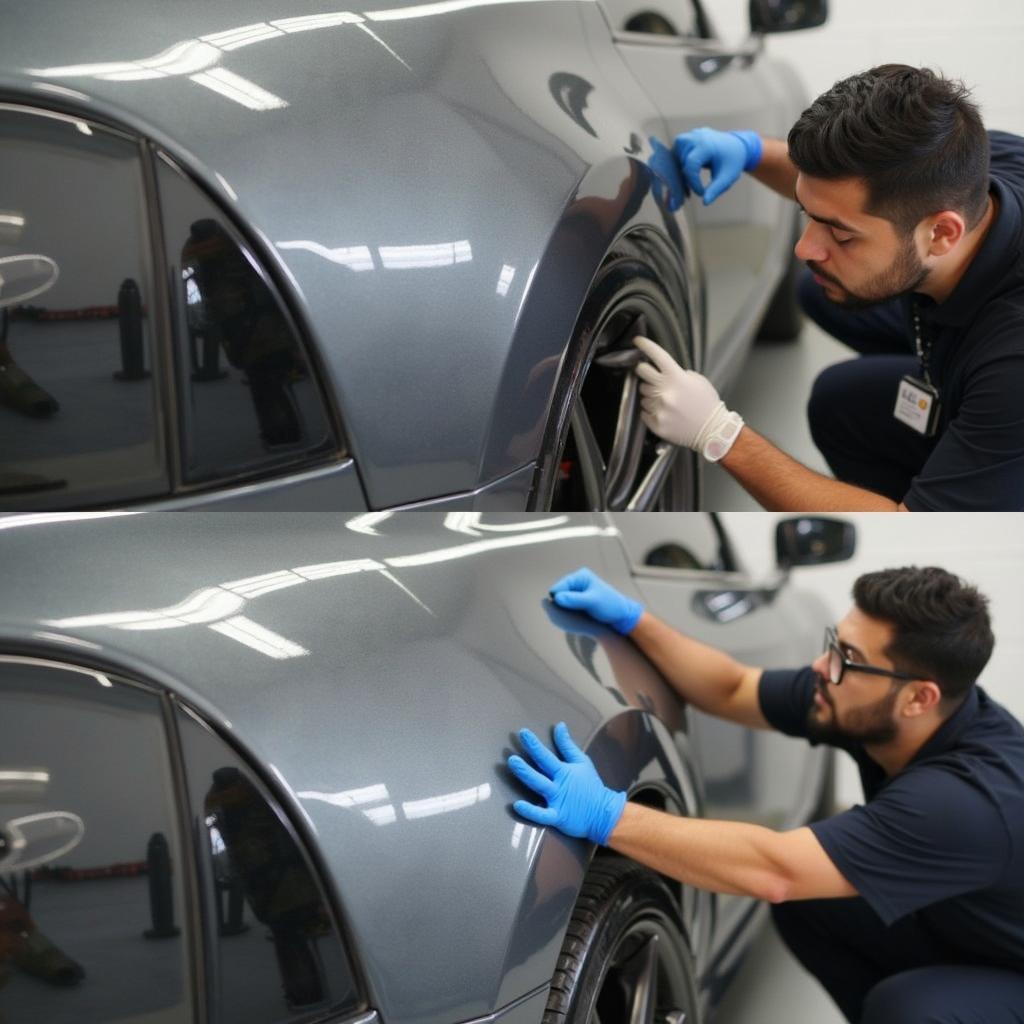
column 161, row 897
column 129, row 322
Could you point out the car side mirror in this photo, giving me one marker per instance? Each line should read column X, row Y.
column 813, row 540
column 787, row 15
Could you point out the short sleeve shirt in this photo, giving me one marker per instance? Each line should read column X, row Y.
column 942, row 839
column 977, row 362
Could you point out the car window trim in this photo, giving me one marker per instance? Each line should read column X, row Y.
column 164, row 325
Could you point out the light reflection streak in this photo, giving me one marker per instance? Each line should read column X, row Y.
column 40, row 777
column 412, row 810
column 253, row 635
column 505, row 279
column 377, row 39
column 60, row 638
column 324, row 570
column 445, row 7
column 241, row 90
column 472, row 523
column 477, row 547
column 441, row 254
column 355, row 257
column 446, row 803
column 401, row 586
column 367, row 523
column 390, row 257
column 347, row 797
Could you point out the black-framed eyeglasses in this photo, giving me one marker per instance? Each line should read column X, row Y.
column 838, row 662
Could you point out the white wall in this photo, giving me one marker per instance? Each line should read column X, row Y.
column 984, row 549
column 979, row 42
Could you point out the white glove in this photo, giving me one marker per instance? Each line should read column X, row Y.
column 682, row 406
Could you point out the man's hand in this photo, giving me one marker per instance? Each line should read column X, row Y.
column 680, row 405
column 585, row 591
column 726, row 154
column 578, row 802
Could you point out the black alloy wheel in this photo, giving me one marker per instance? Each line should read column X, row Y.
column 600, row 455
column 625, row 959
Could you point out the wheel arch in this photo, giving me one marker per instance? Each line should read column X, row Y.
column 633, row 751
column 542, row 364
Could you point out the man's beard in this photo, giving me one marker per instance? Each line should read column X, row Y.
column 871, row 724
column 904, row 274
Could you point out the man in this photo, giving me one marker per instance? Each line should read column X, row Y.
column 914, row 259
column 908, row 909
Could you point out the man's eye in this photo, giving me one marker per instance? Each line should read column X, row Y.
column 841, row 239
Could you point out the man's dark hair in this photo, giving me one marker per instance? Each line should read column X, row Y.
column 941, row 629
column 915, row 138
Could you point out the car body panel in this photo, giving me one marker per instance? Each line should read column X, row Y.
column 376, row 671
column 519, row 129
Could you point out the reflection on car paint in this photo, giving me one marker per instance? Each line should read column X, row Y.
column 388, row 257
column 220, row 607
column 386, row 811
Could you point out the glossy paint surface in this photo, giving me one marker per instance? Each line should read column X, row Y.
column 437, row 184
column 376, row 670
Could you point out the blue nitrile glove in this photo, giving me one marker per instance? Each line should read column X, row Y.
column 665, row 168
column 585, row 591
column 579, row 803
column 728, row 154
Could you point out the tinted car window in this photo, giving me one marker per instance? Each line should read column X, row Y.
column 78, row 408
column 275, row 953
column 249, row 398
column 669, row 540
column 91, row 905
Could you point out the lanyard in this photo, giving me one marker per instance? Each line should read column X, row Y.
column 924, row 348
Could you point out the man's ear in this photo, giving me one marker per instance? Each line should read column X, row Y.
column 924, row 695
column 943, row 231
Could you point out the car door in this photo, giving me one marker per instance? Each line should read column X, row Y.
column 671, row 48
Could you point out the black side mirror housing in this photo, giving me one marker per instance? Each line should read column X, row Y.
column 787, row 15
column 813, row 540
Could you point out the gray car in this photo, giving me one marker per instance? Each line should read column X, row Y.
column 370, row 257
column 252, row 770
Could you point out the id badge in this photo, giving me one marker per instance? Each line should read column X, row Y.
column 917, row 405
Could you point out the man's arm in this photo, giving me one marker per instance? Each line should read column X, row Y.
column 730, row 856
column 781, row 484
column 704, row 676
column 775, row 169
column 683, row 407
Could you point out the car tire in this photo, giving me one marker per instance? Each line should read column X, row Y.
column 626, row 958
column 596, row 454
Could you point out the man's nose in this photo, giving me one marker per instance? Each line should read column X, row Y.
column 808, row 248
column 820, row 665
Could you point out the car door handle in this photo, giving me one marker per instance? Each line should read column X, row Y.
column 727, row 604
column 707, row 64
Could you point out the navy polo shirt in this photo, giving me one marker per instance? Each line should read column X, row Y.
column 943, row 838
column 977, row 362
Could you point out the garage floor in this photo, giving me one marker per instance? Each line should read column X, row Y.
column 772, row 988
column 771, row 395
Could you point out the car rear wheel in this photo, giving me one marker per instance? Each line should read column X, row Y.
column 599, row 455
column 625, row 959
